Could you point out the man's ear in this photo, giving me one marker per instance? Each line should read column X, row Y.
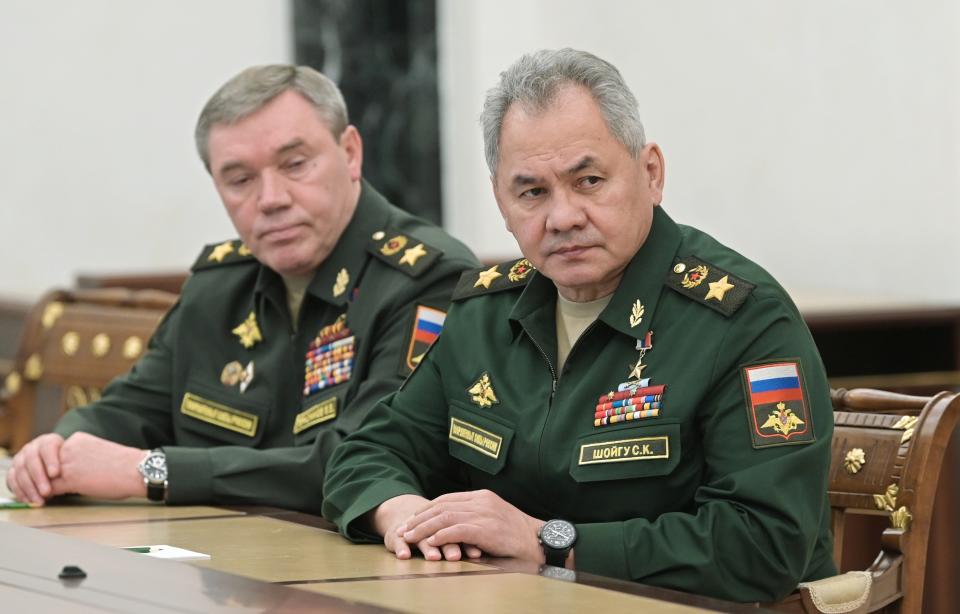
column 496, row 196
column 651, row 158
column 352, row 146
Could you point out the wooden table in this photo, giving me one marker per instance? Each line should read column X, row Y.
column 261, row 556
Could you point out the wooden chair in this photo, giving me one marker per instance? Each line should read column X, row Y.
column 74, row 342
column 886, row 493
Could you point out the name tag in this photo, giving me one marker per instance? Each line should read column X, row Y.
column 219, row 415
column 475, row 437
column 321, row 412
column 623, row 450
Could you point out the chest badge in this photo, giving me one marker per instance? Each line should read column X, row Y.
column 234, row 373
column 329, row 359
column 635, row 398
column 636, row 371
column 481, row 392
column 636, row 314
column 248, row 331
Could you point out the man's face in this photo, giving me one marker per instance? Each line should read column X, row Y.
column 576, row 201
column 290, row 188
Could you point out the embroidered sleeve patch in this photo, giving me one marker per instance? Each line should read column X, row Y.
column 427, row 324
column 777, row 407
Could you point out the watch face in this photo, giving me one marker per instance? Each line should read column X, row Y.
column 155, row 468
column 558, row 534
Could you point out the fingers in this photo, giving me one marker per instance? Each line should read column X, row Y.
column 472, row 552
column 21, row 484
column 396, row 545
column 50, row 455
column 451, row 552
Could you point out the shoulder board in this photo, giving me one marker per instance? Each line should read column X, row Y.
column 401, row 251
column 232, row 251
column 486, row 280
column 708, row 285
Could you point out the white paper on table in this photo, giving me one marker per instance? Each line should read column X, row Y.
column 163, row 551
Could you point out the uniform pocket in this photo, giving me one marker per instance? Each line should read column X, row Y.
column 318, row 409
column 478, row 440
column 638, row 452
column 220, row 416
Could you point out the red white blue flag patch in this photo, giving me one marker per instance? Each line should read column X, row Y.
column 427, row 324
column 776, row 404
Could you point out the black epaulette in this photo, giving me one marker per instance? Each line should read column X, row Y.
column 401, row 251
column 484, row 280
column 709, row 285
column 220, row 254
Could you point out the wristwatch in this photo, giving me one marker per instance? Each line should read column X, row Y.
column 557, row 538
column 153, row 468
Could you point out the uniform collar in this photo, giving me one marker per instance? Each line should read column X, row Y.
column 642, row 281
column 336, row 277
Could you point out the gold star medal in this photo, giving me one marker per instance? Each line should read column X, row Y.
column 248, row 331
column 220, row 251
column 410, row 256
column 482, row 392
column 719, row 288
column 487, row 277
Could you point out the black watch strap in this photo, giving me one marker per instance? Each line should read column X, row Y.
column 156, row 492
column 557, row 558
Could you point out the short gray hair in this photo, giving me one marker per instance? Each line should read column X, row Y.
column 253, row 88
column 534, row 82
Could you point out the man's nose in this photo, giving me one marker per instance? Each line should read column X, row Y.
column 566, row 212
column 273, row 191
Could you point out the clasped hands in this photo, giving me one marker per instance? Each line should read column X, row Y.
column 458, row 524
column 81, row 464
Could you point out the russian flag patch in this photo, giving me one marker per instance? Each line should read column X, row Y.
column 427, row 324
column 777, row 404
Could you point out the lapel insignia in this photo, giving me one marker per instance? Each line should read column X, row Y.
column 394, row 245
column 411, row 255
column 329, row 359
column 695, row 277
column 636, row 314
column 248, row 331
column 719, row 288
column 481, row 392
column 485, row 278
column 776, row 404
column 340, row 286
column 221, row 251
column 520, row 269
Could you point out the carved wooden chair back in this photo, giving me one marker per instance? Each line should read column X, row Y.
column 888, row 455
column 73, row 344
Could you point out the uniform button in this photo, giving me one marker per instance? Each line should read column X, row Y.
column 680, row 268
column 377, row 236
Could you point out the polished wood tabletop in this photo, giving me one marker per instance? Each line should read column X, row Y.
column 265, row 559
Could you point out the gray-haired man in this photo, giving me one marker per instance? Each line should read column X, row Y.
column 284, row 338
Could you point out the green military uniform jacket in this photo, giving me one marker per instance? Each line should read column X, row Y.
column 710, row 487
column 269, row 443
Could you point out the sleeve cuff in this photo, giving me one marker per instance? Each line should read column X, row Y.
column 366, row 501
column 190, row 472
column 600, row 550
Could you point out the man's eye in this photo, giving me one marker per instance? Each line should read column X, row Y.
column 589, row 181
column 532, row 193
column 238, row 180
column 294, row 164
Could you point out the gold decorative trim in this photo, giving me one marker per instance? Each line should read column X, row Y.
column 51, row 313
column 33, row 369
column 12, row 383
column 908, row 424
column 854, row 460
column 76, row 396
column 132, row 347
column 901, row 519
column 887, row 501
column 70, row 342
column 100, row 345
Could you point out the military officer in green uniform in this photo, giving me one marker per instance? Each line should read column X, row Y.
column 632, row 398
column 282, row 339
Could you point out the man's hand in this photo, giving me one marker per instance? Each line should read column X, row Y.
column 480, row 518
column 33, row 467
column 99, row 468
column 393, row 513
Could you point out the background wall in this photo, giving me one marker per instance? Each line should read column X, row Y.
column 97, row 107
column 818, row 138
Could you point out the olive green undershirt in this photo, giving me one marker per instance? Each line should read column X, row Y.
column 296, row 289
column 574, row 318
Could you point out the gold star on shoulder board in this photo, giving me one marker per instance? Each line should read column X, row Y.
column 482, row 393
column 220, row 252
column 244, row 250
column 410, row 256
column 248, row 331
column 719, row 288
column 487, row 277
